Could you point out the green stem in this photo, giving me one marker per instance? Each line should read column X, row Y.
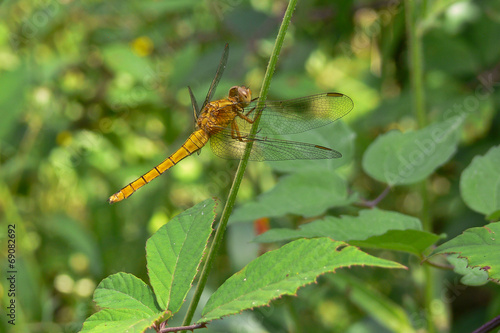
column 413, row 18
column 217, row 241
column 416, row 62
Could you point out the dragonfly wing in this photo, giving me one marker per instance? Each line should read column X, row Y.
column 218, row 75
column 301, row 114
column 269, row 149
column 196, row 111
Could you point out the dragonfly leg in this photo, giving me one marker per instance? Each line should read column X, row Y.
column 235, row 131
column 245, row 116
column 250, row 111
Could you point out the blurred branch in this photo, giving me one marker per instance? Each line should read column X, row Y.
column 414, row 18
column 416, row 63
column 489, row 326
column 376, row 201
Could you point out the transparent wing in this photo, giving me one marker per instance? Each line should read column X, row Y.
column 268, row 149
column 218, row 75
column 299, row 114
column 194, row 104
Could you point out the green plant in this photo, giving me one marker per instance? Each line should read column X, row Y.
column 323, row 245
column 94, row 93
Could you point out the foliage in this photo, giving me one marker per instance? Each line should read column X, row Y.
column 282, row 272
column 93, row 94
column 480, row 184
column 174, row 253
column 372, row 228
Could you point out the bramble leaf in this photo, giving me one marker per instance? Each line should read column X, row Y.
column 480, row 246
column 282, row 272
column 128, row 304
column 373, row 228
column 480, row 184
column 397, row 158
column 174, row 253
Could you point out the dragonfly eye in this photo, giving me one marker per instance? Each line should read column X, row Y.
column 234, row 91
column 245, row 94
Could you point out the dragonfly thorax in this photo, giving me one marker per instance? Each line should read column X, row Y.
column 219, row 114
column 216, row 116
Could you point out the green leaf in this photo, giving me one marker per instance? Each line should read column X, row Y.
column 125, row 291
column 372, row 228
column 380, row 307
column 129, row 305
column 480, row 246
column 282, row 272
column 303, row 193
column 480, row 183
column 337, row 136
column 399, row 158
column 370, row 222
column 411, row 241
column 174, row 254
column 119, row 320
column 495, row 216
column 472, row 276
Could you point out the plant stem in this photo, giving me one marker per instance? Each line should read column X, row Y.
column 376, row 201
column 489, row 326
column 217, row 241
column 416, row 62
column 413, row 18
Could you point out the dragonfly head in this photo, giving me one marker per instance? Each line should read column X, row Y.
column 242, row 94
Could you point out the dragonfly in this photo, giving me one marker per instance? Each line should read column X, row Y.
column 227, row 123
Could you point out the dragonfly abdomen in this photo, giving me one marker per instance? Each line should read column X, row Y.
column 195, row 142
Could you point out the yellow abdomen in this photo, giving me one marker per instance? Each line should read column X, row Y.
column 195, row 142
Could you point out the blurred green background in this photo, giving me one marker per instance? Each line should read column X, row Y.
column 93, row 94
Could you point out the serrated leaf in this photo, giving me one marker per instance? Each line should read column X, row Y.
column 480, row 183
column 472, row 276
column 397, row 158
column 480, row 246
column 302, row 193
column 119, row 320
column 372, row 228
column 125, row 291
column 377, row 305
column 175, row 251
column 282, row 272
column 128, row 304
